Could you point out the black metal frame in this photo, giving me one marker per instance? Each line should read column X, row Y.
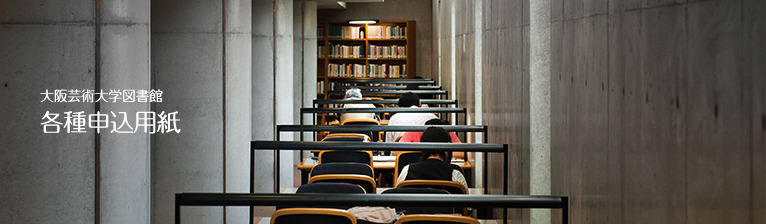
column 392, row 92
column 425, row 200
column 441, row 110
column 385, row 87
column 364, row 128
column 384, row 101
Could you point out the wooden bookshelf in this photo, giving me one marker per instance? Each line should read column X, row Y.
column 344, row 37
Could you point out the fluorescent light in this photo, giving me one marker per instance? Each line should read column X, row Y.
column 363, row 21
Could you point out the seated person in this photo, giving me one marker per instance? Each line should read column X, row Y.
column 356, row 94
column 432, row 165
column 414, row 136
column 407, row 100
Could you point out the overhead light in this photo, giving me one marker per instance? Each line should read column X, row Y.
column 363, row 21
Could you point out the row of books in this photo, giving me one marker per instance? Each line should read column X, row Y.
column 367, row 71
column 320, row 87
column 386, row 32
column 346, row 70
column 320, row 32
column 346, row 32
column 393, row 51
column 343, row 51
column 387, row 71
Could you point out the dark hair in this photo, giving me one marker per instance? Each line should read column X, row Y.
column 409, row 99
column 436, row 134
column 436, row 121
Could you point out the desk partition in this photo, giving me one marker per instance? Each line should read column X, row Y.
column 374, row 128
column 393, row 200
column 397, row 146
column 385, row 101
column 392, row 92
column 344, row 88
column 442, row 110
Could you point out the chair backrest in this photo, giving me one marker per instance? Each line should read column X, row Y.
column 404, row 158
column 450, row 186
column 420, row 210
column 346, row 137
column 365, row 181
column 333, row 156
column 342, row 168
column 312, row 215
column 331, row 188
column 375, row 135
column 434, row 219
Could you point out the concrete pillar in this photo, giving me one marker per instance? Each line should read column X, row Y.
column 305, row 33
column 284, row 83
column 47, row 178
column 187, row 54
column 72, row 177
column 540, row 105
column 477, row 71
column 238, row 124
column 125, row 158
column 272, row 86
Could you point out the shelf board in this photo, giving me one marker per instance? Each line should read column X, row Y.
column 387, row 59
column 347, row 58
column 360, row 39
column 376, row 39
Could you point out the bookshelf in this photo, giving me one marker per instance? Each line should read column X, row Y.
column 383, row 50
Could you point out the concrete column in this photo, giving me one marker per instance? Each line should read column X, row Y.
column 477, row 71
column 305, row 33
column 272, row 86
column 187, row 54
column 125, row 158
column 238, row 124
column 284, row 82
column 72, row 177
column 47, row 178
column 540, row 105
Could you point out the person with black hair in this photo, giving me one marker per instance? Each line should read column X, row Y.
column 407, row 100
column 433, row 165
column 414, row 136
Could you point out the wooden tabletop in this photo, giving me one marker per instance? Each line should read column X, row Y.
column 387, row 165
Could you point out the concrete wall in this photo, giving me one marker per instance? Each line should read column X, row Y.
column 657, row 107
column 504, row 78
column 201, row 58
column 417, row 10
column 75, row 177
column 272, row 87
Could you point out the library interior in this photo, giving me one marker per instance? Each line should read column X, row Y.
column 383, row 111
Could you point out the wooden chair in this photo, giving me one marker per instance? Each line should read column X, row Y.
column 342, row 168
column 420, row 210
column 331, row 188
column 346, row 137
column 404, row 158
column 357, row 156
column 441, row 219
column 312, row 215
column 376, row 136
column 365, row 181
column 450, row 186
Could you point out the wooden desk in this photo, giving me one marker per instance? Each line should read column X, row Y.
column 267, row 220
column 306, row 165
column 292, row 190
